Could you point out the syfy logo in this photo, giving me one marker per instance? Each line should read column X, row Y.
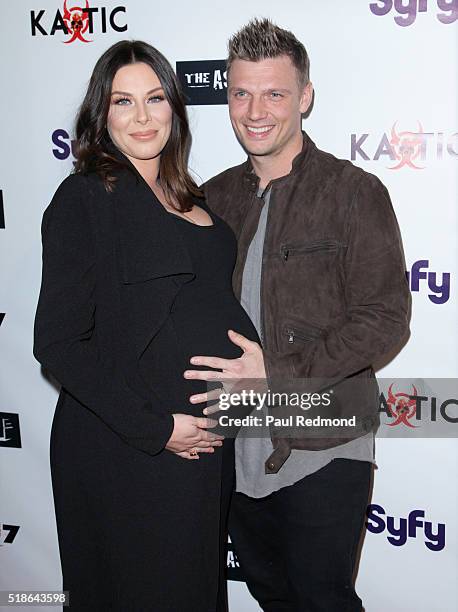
column 407, row 10
column 77, row 22
column 10, row 433
column 440, row 292
column 203, row 82
column 64, row 146
column 8, row 533
column 405, row 148
column 401, row 529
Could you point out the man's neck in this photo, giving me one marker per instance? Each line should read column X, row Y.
column 270, row 167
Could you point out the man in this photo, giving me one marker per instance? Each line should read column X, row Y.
column 320, row 271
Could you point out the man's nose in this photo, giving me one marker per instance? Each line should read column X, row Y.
column 256, row 109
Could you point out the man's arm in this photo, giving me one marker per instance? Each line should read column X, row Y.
column 376, row 293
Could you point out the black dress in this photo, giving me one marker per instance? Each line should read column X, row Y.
column 139, row 532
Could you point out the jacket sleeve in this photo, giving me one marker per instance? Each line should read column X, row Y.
column 376, row 292
column 65, row 335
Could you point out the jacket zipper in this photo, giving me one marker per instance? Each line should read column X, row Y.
column 286, row 250
column 310, row 335
column 261, row 291
column 238, row 288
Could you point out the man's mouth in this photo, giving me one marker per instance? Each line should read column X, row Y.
column 260, row 131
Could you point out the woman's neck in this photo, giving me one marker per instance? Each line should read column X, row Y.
column 148, row 168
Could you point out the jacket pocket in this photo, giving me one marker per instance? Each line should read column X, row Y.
column 304, row 333
column 292, row 250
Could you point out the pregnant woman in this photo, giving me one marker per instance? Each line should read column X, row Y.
column 136, row 280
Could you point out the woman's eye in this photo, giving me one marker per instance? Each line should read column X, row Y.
column 122, row 101
column 155, row 99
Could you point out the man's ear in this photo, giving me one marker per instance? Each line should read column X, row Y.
column 306, row 97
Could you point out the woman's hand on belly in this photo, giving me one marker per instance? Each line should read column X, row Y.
column 190, row 436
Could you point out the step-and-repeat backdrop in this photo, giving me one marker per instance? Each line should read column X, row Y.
column 385, row 77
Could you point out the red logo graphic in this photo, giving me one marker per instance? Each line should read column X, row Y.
column 76, row 21
column 407, row 147
column 402, row 407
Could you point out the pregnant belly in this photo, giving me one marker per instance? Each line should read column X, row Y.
column 197, row 330
column 203, row 330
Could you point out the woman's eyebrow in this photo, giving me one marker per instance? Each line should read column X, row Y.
column 126, row 93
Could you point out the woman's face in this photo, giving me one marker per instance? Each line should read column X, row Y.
column 140, row 118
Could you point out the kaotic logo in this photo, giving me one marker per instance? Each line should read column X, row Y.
column 8, row 533
column 401, row 529
column 203, row 82
column 440, row 293
column 402, row 408
column 64, row 146
column 2, row 213
column 234, row 571
column 407, row 10
column 10, row 433
column 405, row 148
column 77, row 22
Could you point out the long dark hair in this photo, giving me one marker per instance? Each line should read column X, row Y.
column 94, row 143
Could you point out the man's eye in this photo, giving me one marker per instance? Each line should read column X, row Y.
column 240, row 94
column 276, row 94
column 122, row 101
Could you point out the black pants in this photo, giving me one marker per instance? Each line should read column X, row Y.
column 297, row 546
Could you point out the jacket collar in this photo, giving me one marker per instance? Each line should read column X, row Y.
column 299, row 163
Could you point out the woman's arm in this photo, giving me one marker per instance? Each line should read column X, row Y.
column 65, row 340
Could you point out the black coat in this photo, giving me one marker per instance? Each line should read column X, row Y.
column 139, row 527
column 92, row 240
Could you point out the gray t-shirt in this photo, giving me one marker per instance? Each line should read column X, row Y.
column 251, row 453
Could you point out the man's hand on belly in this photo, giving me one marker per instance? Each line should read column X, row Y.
column 249, row 366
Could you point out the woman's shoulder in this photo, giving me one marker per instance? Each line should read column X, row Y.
column 76, row 185
column 79, row 190
column 72, row 201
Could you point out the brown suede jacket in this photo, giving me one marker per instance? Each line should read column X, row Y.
column 334, row 295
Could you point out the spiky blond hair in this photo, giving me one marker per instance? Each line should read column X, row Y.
column 262, row 39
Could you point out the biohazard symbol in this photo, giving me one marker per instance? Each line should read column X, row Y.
column 76, row 22
column 407, row 147
column 402, row 407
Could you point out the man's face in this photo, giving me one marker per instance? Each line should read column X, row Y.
column 265, row 105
